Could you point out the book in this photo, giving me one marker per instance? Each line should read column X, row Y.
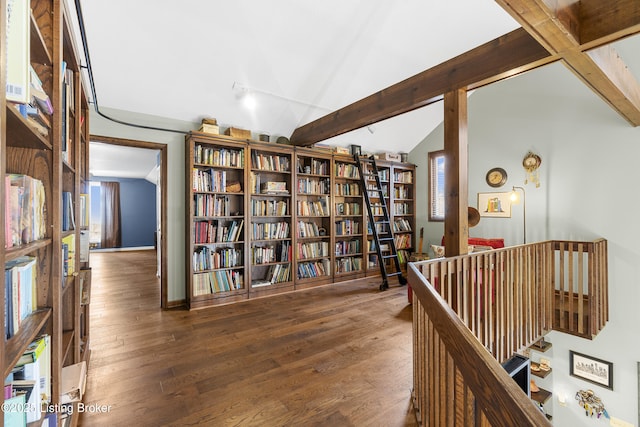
column 18, row 50
column 15, row 416
column 73, row 382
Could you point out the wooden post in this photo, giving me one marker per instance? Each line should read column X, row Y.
column 456, row 186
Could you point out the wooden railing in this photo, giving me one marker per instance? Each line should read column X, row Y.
column 473, row 311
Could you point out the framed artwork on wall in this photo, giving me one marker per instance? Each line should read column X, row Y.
column 496, row 205
column 591, row 369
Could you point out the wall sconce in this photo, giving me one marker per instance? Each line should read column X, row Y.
column 515, row 199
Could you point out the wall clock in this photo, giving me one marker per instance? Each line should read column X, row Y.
column 496, row 177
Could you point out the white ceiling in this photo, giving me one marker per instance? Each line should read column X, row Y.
column 302, row 58
column 181, row 59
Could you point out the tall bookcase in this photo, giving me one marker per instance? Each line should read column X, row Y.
column 217, row 217
column 302, row 212
column 52, row 149
column 271, row 230
column 349, row 226
column 313, row 219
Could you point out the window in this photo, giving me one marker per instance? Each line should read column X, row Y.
column 436, row 186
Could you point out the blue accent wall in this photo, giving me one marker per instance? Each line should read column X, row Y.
column 138, row 209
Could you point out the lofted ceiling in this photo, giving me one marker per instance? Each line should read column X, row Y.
column 300, row 60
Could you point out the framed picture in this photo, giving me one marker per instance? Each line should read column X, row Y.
column 496, row 205
column 591, row 369
column 356, row 149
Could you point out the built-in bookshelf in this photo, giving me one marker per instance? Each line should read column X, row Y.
column 216, row 226
column 402, row 209
column 348, row 226
column 296, row 220
column 44, row 146
column 271, row 231
column 313, row 218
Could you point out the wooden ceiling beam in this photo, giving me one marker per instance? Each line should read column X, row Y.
column 512, row 53
column 560, row 29
column 568, row 27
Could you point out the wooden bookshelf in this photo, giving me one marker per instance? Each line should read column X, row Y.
column 52, row 150
column 271, row 229
column 216, row 202
column 398, row 185
column 313, row 219
column 318, row 208
column 349, row 225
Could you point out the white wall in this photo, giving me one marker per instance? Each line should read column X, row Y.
column 175, row 185
column 589, row 189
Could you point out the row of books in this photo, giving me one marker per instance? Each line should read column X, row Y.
column 309, row 229
column 404, row 177
column 372, row 246
column 68, row 255
column 270, row 162
column 270, row 230
column 309, row 270
column 402, row 208
column 347, row 247
column 216, row 231
column 68, row 107
column 27, row 388
column 271, row 254
column 24, row 210
column 377, row 208
column 68, row 218
column 403, row 241
column 20, row 276
column 209, row 259
column 278, row 273
column 257, row 186
column 211, row 181
column 261, row 207
column 210, row 205
column 373, row 191
column 217, row 281
column 313, row 208
column 402, row 192
column 313, row 186
column 347, row 189
column 401, row 225
column 315, row 166
column 347, row 265
column 347, row 227
column 213, row 156
column 312, row 250
column 381, row 228
column 347, row 170
column 348, row 209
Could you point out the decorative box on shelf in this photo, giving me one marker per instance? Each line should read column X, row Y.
column 391, row 157
column 341, row 150
column 238, row 133
column 207, row 128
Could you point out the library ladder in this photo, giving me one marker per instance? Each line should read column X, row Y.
column 381, row 229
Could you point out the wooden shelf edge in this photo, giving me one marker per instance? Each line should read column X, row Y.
column 28, row 331
column 18, row 251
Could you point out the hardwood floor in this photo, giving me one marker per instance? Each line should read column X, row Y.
column 333, row 356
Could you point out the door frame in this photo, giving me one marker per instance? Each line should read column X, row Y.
column 163, row 148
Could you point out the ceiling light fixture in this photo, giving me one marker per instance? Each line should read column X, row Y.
column 243, row 92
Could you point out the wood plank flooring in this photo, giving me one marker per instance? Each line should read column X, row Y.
column 338, row 355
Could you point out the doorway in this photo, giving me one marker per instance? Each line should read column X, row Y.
column 114, row 153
